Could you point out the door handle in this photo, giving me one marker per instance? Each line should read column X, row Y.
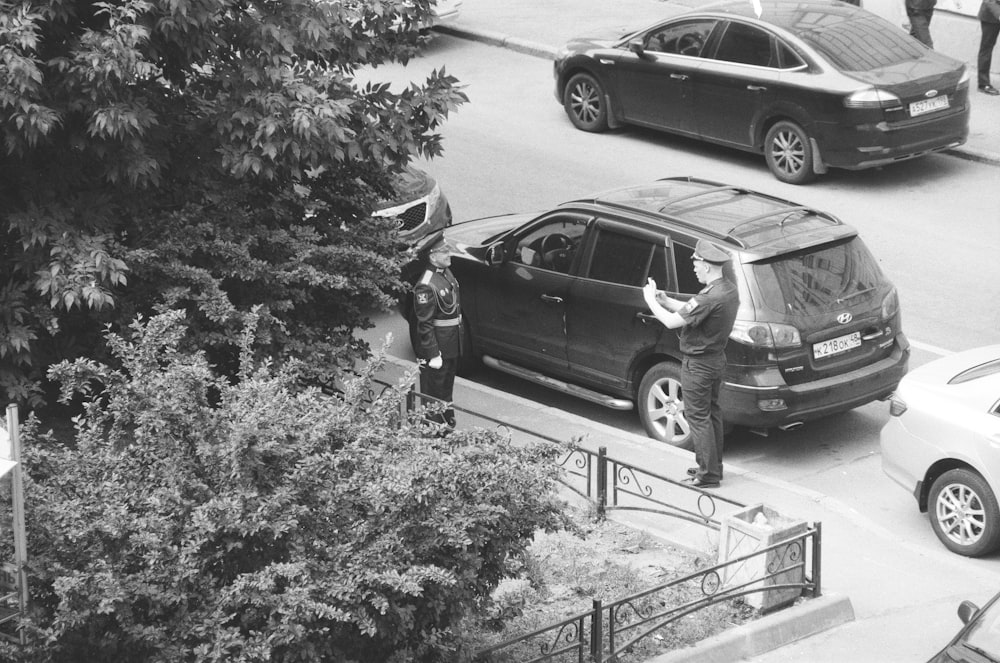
column 756, row 88
column 645, row 317
column 872, row 336
column 679, row 77
column 550, row 299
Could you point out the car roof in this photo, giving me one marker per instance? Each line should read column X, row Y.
column 760, row 225
column 785, row 13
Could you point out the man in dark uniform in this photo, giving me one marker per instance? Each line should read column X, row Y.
column 704, row 323
column 436, row 327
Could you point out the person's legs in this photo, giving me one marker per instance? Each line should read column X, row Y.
column 920, row 27
column 697, row 384
column 984, row 61
column 438, row 384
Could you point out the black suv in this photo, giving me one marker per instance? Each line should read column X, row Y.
column 557, row 298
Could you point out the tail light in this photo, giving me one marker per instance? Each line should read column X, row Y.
column 890, row 305
column 872, row 97
column 766, row 334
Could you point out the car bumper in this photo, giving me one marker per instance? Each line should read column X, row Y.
column 871, row 145
column 905, row 456
column 755, row 405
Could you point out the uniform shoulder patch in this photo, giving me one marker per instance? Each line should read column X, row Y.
column 423, row 297
column 426, row 278
column 690, row 305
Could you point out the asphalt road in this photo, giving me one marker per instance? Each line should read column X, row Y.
column 932, row 224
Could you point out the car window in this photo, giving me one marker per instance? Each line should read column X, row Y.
column 787, row 58
column 686, row 38
column 551, row 245
column 745, row 44
column 863, row 43
column 620, row 259
column 814, row 281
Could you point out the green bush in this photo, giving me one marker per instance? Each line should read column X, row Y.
column 195, row 520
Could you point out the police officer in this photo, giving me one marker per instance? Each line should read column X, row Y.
column 704, row 323
column 435, row 328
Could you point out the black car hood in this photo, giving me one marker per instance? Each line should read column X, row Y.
column 410, row 185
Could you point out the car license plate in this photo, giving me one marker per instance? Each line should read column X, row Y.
column 837, row 345
column 928, row 105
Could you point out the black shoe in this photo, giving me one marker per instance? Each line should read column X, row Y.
column 702, row 483
column 989, row 89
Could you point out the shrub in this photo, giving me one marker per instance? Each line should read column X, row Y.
column 196, row 520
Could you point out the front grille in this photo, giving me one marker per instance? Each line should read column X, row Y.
column 412, row 217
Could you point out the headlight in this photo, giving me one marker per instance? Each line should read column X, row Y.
column 871, row 98
column 766, row 334
column 966, row 77
column 433, row 200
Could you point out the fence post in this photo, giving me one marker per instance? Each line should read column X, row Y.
column 602, row 481
column 817, row 554
column 596, row 632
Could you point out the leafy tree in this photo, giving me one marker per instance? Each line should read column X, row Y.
column 205, row 155
column 193, row 520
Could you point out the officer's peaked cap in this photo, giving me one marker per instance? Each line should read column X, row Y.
column 709, row 252
column 438, row 242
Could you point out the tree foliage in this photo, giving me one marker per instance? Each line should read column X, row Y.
column 193, row 520
column 209, row 155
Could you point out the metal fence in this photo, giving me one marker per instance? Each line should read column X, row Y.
column 789, row 567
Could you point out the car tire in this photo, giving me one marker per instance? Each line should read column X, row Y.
column 585, row 105
column 789, row 153
column 964, row 513
column 661, row 405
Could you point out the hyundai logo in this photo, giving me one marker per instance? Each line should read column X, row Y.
column 930, row 93
column 844, row 318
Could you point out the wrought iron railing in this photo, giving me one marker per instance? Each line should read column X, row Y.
column 790, row 567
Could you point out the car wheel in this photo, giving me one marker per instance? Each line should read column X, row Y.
column 789, row 153
column 964, row 513
column 584, row 103
column 661, row 406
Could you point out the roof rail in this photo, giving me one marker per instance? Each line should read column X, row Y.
column 783, row 210
column 714, row 189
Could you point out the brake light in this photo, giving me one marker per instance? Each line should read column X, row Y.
column 872, row 97
column 890, row 305
column 766, row 334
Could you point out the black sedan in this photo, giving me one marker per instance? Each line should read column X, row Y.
column 812, row 85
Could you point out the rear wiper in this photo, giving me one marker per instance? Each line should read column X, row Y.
column 841, row 300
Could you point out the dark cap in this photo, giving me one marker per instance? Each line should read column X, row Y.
column 437, row 242
column 709, row 252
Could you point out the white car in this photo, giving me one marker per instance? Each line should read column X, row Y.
column 446, row 10
column 942, row 443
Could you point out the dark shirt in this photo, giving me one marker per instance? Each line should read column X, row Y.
column 709, row 318
column 436, row 309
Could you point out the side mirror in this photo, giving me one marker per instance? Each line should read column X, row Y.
column 967, row 610
column 495, row 254
column 635, row 45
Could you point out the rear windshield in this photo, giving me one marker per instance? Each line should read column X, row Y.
column 815, row 280
column 859, row 43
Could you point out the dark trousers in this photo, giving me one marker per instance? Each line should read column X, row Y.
column 920, row 26
column 440, row 383
column 986, row 44
column 701, row 380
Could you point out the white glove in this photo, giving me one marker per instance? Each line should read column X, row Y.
column 436, row 362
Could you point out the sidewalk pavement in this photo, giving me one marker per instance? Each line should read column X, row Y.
column 883, row 600
column 540, row 27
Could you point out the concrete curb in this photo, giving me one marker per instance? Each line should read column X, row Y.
column 809, row 617
column 549, row 53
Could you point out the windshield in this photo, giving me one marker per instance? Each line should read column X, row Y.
column 860, row 43
column 811, row 281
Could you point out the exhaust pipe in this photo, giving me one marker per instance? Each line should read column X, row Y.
column 792, row 425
